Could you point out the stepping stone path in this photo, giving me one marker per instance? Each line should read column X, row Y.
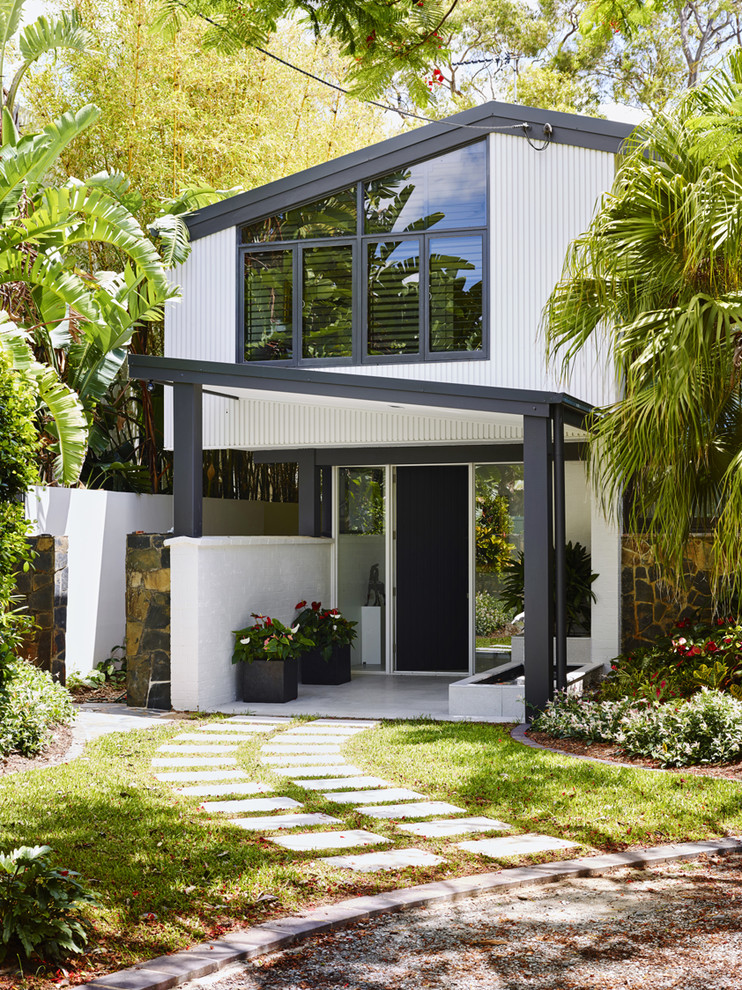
column 309, row 755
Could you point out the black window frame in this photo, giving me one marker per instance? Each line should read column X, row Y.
column 359, row 243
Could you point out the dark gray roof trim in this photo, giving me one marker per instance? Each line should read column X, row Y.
column 386, row 156
column 364, row 388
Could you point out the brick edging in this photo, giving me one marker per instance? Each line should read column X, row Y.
column 169, row 971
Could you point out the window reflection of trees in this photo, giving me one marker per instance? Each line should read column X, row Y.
column 268, row 306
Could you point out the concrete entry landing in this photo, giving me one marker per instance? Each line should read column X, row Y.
column 366, row 695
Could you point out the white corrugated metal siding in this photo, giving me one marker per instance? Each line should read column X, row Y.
column 201, row 325
column 538, row 203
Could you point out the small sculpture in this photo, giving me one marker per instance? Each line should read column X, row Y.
column 376, row 595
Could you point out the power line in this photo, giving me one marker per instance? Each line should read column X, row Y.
column 524, row 126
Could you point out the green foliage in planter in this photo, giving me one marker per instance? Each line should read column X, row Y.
column 679, row 666
column 39, row 905
column 30, row 704
column 326, row 628
column 706, row 728
column 490, row 614
column 19, row 445
column 492, row 528
column 578, row 579
column 269, row 639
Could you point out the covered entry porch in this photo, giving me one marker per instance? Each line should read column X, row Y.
column 215, row 588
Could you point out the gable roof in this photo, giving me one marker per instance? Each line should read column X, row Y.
column 396, row 152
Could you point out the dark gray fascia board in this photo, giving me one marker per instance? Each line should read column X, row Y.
column 485, row 453
column 364, row 388
column 396, row 152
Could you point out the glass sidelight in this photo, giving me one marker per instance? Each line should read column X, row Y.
column 498, row 542
column 361, row 561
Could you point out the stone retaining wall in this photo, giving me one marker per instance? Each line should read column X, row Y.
column 147, row 621
column 649, row 610
column 44, row 589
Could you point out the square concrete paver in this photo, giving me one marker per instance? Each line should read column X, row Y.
column 351, row 723
column 187, row 776
column 259, row 720
column 236, row 727
column 314, row 728
column 321, row 770
column 393, row 859
column 266, row 823
column 313, row 738
column 335, row 782
column 215, row 748
column 424, row 809
column 256, row 804
column 375, row 797
column 279, row 747
column 443, row 828
column 220, row 790
column 514, row 845
column 193, row 761
column 316, row 841
column 202, row 737
column 301, row 758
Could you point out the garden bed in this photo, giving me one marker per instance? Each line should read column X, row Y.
column 612, row 753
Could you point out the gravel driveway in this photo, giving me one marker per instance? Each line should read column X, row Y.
column 673, row 926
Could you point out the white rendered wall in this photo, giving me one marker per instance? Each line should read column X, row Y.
column 577, row 497
column 606, row 563
column 215, row 585
column 96, row 524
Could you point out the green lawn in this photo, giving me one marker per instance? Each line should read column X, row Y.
column 148, row 849
column 490, row 641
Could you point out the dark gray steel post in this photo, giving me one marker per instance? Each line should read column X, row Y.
column 325, row 474
column 537, row 555
column 560, row 563
column 187, row 460
column 309, row 507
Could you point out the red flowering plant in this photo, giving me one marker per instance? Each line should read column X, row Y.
column 326, row 627
column 678, row 666
column 269, row 639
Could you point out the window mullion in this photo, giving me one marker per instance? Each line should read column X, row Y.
column 424, row 296
column 297, row 260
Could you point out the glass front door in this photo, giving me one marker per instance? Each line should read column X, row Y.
column 361, row 561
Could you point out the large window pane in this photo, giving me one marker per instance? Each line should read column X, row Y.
column 446, row 193
column 327, row 310
column 268, row 305
column 394, row 297
column 333, row 216
column 455, row 293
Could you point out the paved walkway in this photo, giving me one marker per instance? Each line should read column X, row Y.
column 203, row 764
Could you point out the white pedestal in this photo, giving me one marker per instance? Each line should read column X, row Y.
column 372, row 635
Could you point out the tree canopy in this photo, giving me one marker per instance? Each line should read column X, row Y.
column 176, row 113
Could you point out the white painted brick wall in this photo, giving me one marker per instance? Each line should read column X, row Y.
column 216, row 583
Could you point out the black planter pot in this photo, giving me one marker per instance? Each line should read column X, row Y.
column 273, row 681
column 316, row 670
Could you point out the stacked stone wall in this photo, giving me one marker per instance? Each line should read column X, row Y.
column 43, row 588
column 147, row 621
column 649, row 609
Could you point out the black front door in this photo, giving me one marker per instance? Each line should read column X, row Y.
column 432, row 568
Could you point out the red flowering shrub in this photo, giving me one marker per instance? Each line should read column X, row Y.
column 679, row 666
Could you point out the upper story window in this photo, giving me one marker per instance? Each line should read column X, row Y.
column 389, row 270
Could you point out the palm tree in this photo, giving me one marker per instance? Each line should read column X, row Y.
column 659, row 272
